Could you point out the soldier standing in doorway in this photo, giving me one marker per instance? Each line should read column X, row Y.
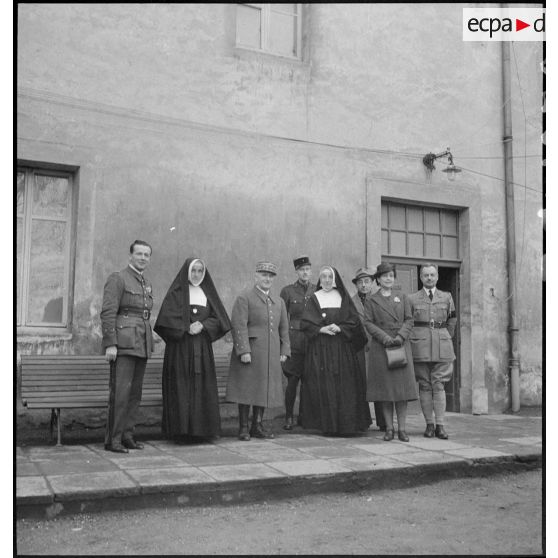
column 296, row 296
column 127, row 342
column 432, row 346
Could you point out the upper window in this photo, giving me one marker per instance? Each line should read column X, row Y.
column 44, row 215
column 272, row 28
column 421, row 232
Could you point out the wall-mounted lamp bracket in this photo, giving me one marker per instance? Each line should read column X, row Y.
column 451, row 169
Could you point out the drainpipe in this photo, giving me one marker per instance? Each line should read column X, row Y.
column 513, row 330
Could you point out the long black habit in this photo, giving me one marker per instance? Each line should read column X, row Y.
column 190, row 396
column 334, row 385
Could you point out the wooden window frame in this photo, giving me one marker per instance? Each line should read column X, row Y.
column 30, row 171
column 265, row 24
column 441, row 235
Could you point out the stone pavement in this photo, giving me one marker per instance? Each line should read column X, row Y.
column 52, row 480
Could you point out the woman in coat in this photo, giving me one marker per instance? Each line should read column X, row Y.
column 334, row 384
column 389, row 321
column 192, row 316
column 260, row 331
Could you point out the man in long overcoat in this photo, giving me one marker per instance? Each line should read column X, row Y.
column 364, row 282
column 260, row 331
column 127, row 342
column 432, row 346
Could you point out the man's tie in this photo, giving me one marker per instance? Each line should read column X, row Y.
column 430, row 295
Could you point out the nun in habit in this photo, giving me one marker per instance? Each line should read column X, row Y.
column 333, row 392
column 191, row 318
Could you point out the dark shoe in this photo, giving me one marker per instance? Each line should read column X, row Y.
column 440, row 432
column 243, row 413
column 299, row 420
column 429, row 432
column 116, row 448
column 243, row 434
column 388, row 436
column 288, row 424
column 402, row 435
column 258, row 431
column 132, row 444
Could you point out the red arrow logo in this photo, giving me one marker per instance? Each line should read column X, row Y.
column 519, row 25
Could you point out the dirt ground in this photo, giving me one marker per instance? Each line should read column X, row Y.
column 499, row 515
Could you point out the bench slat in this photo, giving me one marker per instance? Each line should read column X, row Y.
column 69, row 381
column 77, row 395
column 87, row 361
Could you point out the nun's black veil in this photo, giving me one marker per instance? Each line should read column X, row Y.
column 173, row 320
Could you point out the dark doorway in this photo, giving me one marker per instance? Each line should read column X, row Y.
column 448, row 280
column 408, row 281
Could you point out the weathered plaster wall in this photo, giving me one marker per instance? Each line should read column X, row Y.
column 527, row 112
column 170, row 125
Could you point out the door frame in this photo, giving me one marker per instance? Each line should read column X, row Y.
column 463, row 197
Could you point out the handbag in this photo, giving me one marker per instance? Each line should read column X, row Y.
column 396, row 357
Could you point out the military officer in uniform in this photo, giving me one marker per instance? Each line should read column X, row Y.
column 260, row 332
column 364, row 282
column 432, row 346
column 127, row 342
column 296, row 296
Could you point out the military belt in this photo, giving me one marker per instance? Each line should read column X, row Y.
column 145, row 314
column 295, row 324
column 431, row 324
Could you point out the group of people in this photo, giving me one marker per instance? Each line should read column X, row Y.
column 317, row 335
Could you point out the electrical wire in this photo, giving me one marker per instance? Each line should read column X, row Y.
column 500, row 179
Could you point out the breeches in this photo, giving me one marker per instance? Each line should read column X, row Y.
column 294, row 366
column 125, row 387
column 432, row 376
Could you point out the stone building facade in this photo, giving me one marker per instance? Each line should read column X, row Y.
column 242, row 132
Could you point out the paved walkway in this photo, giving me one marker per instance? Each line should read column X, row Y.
column 81, row 478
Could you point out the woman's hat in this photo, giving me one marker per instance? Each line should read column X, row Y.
column 384, row 267
column 267, row 266
column 363, row 272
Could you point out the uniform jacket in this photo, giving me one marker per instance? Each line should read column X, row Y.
column 260, row 326
column 126, row 295
column 296, row 296
column 431, row 344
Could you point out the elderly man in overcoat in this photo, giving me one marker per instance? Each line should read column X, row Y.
column 127, row 342
column 260, row 331
column 432, row 346
column 364, row 282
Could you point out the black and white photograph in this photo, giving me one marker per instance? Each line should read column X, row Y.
column 280, row 279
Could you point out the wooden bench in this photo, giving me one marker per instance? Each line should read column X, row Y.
column 58, row 382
